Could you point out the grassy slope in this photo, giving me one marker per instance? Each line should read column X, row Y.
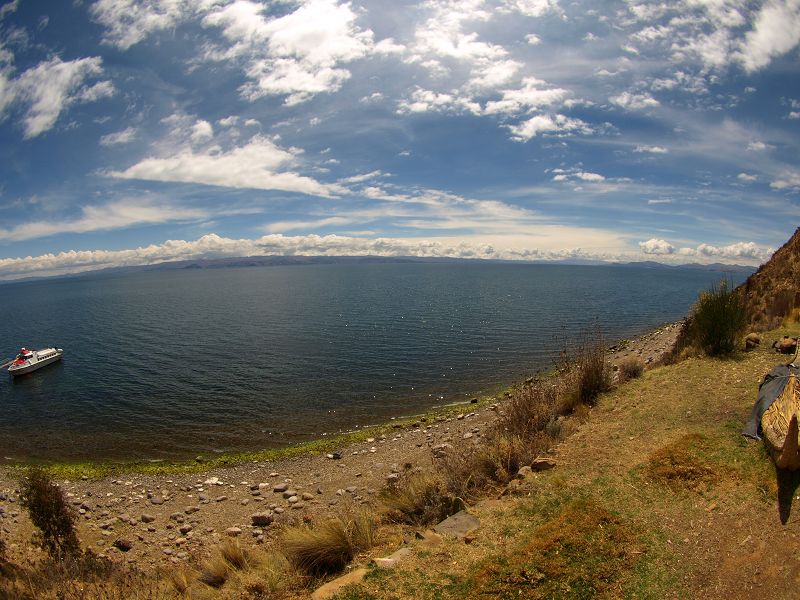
column 656, row 496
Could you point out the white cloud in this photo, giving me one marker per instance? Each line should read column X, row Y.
column 429, row 101
column 201, row 131
column 590, row 177
column 548, row 124
column 51, row 87
column 533, row 39
column 549, row 242
column 789, row 180
column 633, row 101
column 656, row 246
column 530, row 95
column 650, row 149
column 757, row 146
column 747, row 251
column 297, row 55
column 656, row 201
column 776, row 31
column 259, row 164
column 746, row 178
column 8, row 8
column 119, row 137
column 533, row 8
column 116, row 215
column 128, row 22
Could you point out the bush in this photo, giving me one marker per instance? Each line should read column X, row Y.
column 49, row 513
column 330, row 546
column 630, row 368
column 717, row 320
column 593, row 372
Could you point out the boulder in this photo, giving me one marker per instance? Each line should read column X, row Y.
column 123, row 545
column 458, row 525
column 262, row 519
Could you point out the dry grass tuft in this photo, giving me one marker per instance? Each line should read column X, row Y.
column 679, row 466
column 215, row 571
column 527, row 427
column 630, row 368
column 328, row 547
column 418, row 498
column 181, row 581
column 232, row 553
column 583, row 552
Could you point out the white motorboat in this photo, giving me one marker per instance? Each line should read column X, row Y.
column 30, row 360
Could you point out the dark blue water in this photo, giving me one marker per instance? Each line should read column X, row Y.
column 175, row 363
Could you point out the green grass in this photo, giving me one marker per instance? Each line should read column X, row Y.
column 99, row 469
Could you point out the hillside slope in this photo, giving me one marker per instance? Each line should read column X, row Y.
column 656, row 496
column 773, row 291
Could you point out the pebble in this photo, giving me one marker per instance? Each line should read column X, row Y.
column 280, row 488
column 146, row 518
column 233, row 531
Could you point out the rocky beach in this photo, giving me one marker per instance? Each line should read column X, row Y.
column 156, row 520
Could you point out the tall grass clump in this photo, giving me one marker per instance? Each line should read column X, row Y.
column 418, row 498
column 50, row 514
column 717, row 320
column 630, row 368
column 330, row 546
column 526, row 427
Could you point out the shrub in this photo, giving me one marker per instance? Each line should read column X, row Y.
column 49, row 513
column 717, row 320
column 594, row 372
column 418, row 498
column 330, row 545
column 630, row 368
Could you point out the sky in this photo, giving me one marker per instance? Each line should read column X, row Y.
column 136, row 132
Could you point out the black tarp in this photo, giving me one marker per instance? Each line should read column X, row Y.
column 768, row 391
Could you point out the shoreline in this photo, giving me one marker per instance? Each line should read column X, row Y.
column 650, row 347
column 209, row 501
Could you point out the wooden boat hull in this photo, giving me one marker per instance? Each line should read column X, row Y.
column 779, row 425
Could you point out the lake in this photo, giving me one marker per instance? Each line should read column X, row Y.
column 174, row 363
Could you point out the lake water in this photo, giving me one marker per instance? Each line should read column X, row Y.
column 171, row 364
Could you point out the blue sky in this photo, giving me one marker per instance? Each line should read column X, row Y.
column 134, row 132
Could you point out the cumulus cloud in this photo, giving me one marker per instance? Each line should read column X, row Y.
column 548, row 125
column 776, row 32
column 633, row 101
column 746, row 177
column 259, row 164
column 214, row 246
column 740, row 250
column 590, row 177
column 650, row 150
column 656, row 246
column 297, row 55
column 531, row 95
column 119, row 137
column 789, row 180
column 50, row 88
column 201, row 131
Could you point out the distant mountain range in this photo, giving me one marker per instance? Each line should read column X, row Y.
column 271, row 261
